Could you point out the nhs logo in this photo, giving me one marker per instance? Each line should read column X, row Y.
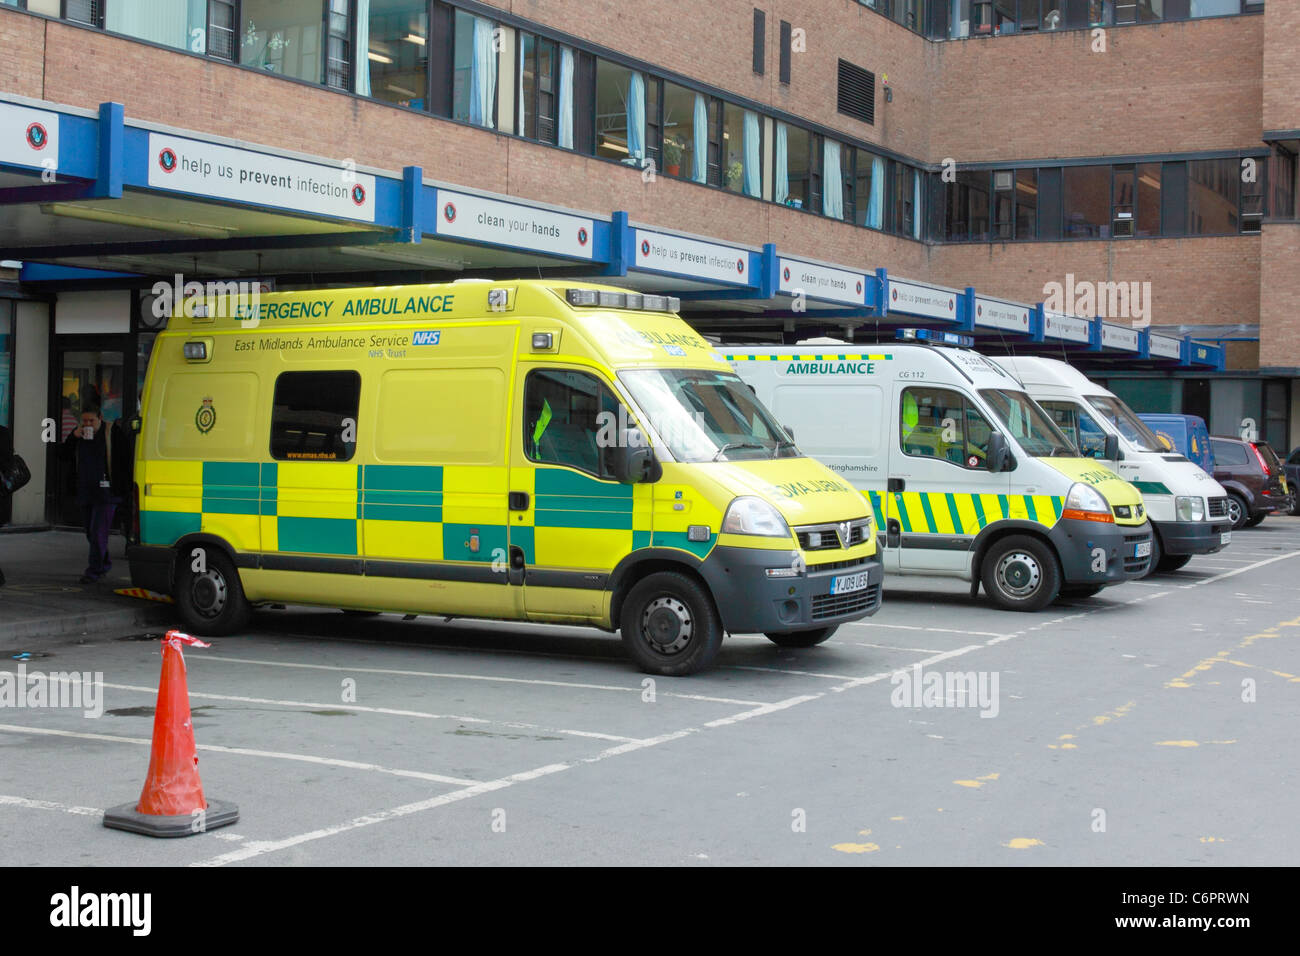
column 428, row 337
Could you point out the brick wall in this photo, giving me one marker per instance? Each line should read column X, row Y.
column 22, row 50
column 1279, row 295
column 1282, row 65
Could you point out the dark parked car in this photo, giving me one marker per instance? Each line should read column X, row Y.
column 1253, row 477
column 1293, row 478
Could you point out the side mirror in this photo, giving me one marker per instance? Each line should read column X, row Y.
column 1111, row 452
column 997, row 452
column 633, row 461
column 789, row 431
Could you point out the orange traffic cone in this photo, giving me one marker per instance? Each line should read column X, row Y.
column 172, row 803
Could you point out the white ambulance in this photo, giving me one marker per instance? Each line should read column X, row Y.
column 966, row 475
column 1187, row 508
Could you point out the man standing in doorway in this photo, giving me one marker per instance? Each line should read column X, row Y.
column 98, row 451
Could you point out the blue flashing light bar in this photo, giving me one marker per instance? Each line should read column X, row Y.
column 935, row 337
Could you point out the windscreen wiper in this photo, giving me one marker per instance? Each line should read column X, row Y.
column 736, row 444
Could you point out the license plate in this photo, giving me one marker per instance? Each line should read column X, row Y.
column 845, row 583
column 1142, row 550
column 1225, row 537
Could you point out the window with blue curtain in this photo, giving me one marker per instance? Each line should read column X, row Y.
column 700, row 154
column 566, row 97
column 780, row 162
column 636, row 118
column 753, row 155
column 832, row 180
column 876, row 200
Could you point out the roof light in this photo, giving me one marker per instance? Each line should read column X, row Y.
column 611, row 300
column 606, row 299
column 654, row 303
column 935, row 337
column 634, row 301
column 581, row 296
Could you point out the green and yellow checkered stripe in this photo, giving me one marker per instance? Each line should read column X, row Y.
column 938, row 512
column 847, row 357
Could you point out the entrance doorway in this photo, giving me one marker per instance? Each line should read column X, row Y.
column 89, row 370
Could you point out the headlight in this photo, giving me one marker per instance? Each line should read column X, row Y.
column 754, row 516
column 1085, row 503
column 1189, row 508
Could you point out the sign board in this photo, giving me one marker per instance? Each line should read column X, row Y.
column 1056, row 325
column 694, row 258
column 821, row 282
column 500, row 223
column 28, row 137
column 1165, row 347
column 1119, row 337
column 244, row 176
column 916, row 299
column 996, row 314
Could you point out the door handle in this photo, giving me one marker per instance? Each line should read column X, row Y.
column 893, row 533
column 518, row 500
column 896, row 484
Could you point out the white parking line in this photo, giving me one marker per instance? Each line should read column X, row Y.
column 1249, row 567
column 245, row 752
column 890, row 647
column 915, row 627
column 782, row 670
column 452, row 676
column 10, row 801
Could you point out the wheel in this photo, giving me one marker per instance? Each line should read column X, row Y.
column 1254, row 520
column 1021, row 574
column 803, row 638
column 1238, row 510
column 1086, row 591
column 1157, row 554
column 211, row 602
column 1172, row 562
column 669, row 625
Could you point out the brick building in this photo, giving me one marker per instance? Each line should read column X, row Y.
column 999, row 154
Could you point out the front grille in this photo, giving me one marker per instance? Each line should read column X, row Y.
column 838, row 565
column 1218, row 507
column 1132, row 564
column 835, row 605
column 826, row 537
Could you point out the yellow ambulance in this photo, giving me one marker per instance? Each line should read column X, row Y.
column 527, row 450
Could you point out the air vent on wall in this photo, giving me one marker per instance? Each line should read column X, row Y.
column 857, row 92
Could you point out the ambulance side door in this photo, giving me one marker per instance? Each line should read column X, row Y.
column 940, row 490
column 571, row 522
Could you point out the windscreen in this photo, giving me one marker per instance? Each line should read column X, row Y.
column 1129, row 425
column 1028, row 424
column 707, row 415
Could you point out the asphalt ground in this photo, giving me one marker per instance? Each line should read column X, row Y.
column 1152, row 724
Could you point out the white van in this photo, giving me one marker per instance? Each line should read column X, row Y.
column 965, row 474
column 1188, row 509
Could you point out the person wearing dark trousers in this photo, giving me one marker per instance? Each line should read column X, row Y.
column 99, row 454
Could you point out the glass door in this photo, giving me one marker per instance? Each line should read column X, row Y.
column 90, row 373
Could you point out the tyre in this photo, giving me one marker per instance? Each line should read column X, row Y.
column 1255, row 520
column 803, row 638
column 1021, row 573
column 669, row 625
column 1238, row 510
column 1082, row 592
column 1172, row 562
column 211, row 602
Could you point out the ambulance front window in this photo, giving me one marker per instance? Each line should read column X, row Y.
column 1078, row 426
column 1129, row 425
column 1028, row 424
column 565, row 416
column 941, row 423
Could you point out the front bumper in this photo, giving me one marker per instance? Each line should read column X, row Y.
column 1099, row 552
column 1193, row 537
column 750, row 602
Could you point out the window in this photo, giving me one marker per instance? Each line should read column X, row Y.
column 563, row 418
column 182, row 26
column 1126, row 422
column 539, row 83
column 784, row 73
column 760, row 41
column 338, row 45
column 284, row 37
column 687, row 116
column 1004, row 204
column 792, row 177
column 84, row 11
column 941, row 423
column 314, row 416
column 6, row 366
column 906, row 200
column 869, row 189
column 741, row 151
column 1078, row 426
column 1215, row 8
column 474, row 71
column 222, row 29
column 1228, row 453
column 1148, row 199
column 1026, row 203
column 856, row 94
column 1027, row 424
column 1282, row 183
column 1123, row 200
column 620, row 113
column 1087, row 201
column 1212, row 191
column 394, row 61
